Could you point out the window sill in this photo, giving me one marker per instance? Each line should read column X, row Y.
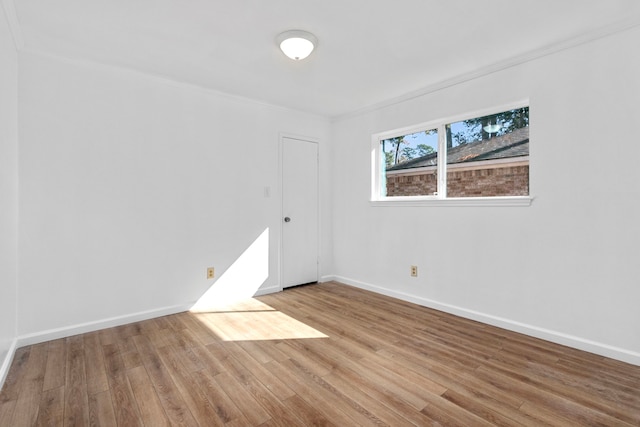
column 458, row 201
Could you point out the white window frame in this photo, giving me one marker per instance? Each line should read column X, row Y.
column 439, row 199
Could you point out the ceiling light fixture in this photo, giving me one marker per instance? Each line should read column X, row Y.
column 492, row 128
column 297, row 44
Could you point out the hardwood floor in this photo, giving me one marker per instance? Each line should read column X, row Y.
column 324, row 354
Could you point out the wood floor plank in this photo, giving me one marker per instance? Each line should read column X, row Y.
column 243, row 422
column 448, row 414
column 386, row 398
column 402, row 377
column 357, row 390
column 189, row 360
column 94, row 364
column 101, row 412
column 129, row 352
column 545, row 416
column 278, row 412
column 15, row 377
column 564, row 407
column 26, row 409
column 208, row 359
column 303, row 386
column 256, row 369
column 307, row 413
column 184, row 338
column 557, row 381
column 200, row 331
column 404, row 388
column 172, row 322
column 197, row 402
column 227, row 411
column 481, row 409
column 163, row 322
column 461, row 382
column 247, row 404
column 76, row 399
column 6, row 412
column 207, row 331
column 256, row 351
column 151, row 410
column 172, row 401
column 467, row 387
column 51, row 411
column 124, row 403
column 387, row 381
column 107, row 336
column 268, row 350
column 151, row 332
column 313, row 362
column 28, row 402
column 337, row 399
column 223, row 361
column 168, row 336
column 326, row 355
column 54, row 376
column 611, row 378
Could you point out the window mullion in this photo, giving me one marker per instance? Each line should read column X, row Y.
column 442, row 161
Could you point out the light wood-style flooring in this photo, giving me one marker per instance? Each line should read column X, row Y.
column 325, row 354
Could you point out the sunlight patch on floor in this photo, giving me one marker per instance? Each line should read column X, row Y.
column 252, row 320
column 228, row 309
column 257, row 325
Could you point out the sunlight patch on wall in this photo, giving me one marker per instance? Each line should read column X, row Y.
column 241, row 280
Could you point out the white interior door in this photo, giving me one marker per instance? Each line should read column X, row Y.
column 299, row 212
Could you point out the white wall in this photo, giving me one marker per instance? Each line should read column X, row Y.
column 8, row 193
column 132, row 186
column 565, row 267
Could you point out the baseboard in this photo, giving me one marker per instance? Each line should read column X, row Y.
column 53, row 334
column 6, row 363
column 328, row 278
column 511, row 325
column 268, row 290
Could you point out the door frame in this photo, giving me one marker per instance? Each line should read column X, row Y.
column 302, row 138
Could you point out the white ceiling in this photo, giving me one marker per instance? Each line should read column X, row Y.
column 370, row 51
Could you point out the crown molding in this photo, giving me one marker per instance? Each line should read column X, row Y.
column 166, row 80
column 14, row 24
column 565, row 44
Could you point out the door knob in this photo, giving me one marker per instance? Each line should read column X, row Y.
column 287, row 219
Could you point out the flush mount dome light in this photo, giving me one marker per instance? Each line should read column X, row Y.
column 297, row 44
column 492, row 128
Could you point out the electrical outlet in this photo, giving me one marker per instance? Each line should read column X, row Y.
column 414, row 271
column 210, row 273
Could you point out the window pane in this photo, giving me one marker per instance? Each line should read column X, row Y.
column 409, row 164
column 489, row 156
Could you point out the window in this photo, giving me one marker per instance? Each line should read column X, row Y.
column 483, row 157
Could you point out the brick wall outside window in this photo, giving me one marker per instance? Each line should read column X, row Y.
column 489, row 182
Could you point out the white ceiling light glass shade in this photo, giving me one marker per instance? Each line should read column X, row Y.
column 297, row 44
column 492, row 128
